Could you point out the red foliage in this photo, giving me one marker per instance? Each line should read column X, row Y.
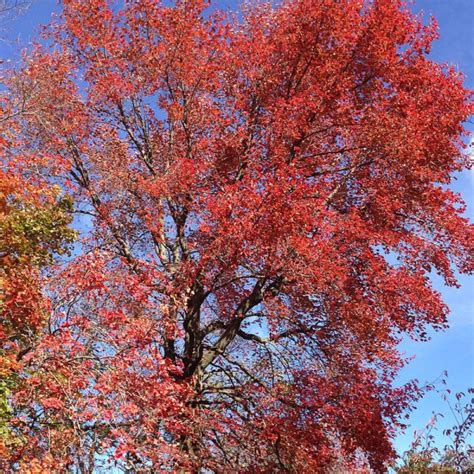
column 265, row 199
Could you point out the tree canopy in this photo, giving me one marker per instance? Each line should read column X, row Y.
column 261, row 201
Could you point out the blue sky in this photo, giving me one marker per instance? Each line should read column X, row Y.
column 452, row 350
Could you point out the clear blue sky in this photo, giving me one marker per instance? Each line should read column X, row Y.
column 452, row 350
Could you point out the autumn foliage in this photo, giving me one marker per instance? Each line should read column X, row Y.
column 261, row 199
column 33, row 226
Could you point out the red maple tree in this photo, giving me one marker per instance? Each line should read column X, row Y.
column 263, row 198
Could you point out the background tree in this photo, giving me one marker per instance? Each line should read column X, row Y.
column 33, row 226
column 34, row 219
column 264, row 199
column 457, row 455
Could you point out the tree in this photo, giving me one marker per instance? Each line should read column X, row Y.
column 263, row 199
column 457, row 455
column 33, row 226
